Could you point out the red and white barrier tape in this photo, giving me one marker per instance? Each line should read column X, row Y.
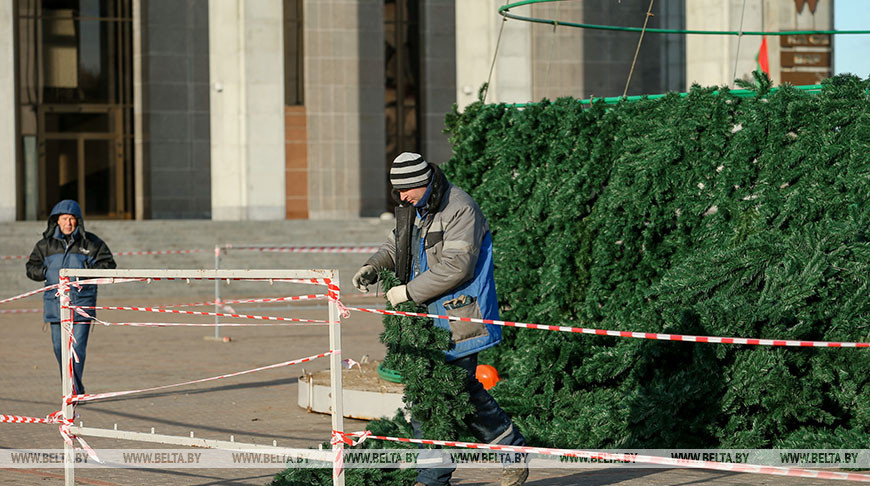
column 72, row 356
column 276, row 299
column 114, row 280
column 338, row 465
column 637, row 458
column 217, row 303
column 245, row 301
column 67, row 324
column 78, row 283
column 28, row 294
column 196, row 313
column 64, row 424
column 333, row 295
column 339, row 438
column 68, row 437
column 225, row 304
column 55, row 418
column 278, row 249
column 630, row 334
column 18, row 311
column 121, row 253
column 207, row 324
column 107, row 280
column 333, row 289
column 13, row 257
column 189, row 304
column 306, row 249
column 110, row 280
column 157, row 252
column 89, row 397
column 342, row 438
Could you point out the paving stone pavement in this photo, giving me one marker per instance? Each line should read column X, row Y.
column 256, row 408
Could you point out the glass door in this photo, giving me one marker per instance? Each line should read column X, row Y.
column 82, row 158
column 75, row 87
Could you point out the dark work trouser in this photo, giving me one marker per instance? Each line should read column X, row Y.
column 489, row 424
column 81, row 331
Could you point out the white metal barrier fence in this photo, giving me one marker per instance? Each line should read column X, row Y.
column 329, row 278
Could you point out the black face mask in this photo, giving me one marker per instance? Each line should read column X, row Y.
column 405, row 215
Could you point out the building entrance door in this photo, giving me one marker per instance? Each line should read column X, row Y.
column 82, row 158
column 75, row 80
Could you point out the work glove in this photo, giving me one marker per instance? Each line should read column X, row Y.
column 364, row 277
column 398, row 294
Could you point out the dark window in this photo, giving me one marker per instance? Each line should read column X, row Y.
column 402, row 96
column 76, row 95
column 293, row 52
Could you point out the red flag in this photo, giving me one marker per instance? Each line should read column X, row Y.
column 761, row 59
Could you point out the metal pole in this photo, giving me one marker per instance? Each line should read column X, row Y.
column 217, row 292
column 335, row 371
column 66, row 323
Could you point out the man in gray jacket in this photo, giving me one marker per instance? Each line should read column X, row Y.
column 441, row 250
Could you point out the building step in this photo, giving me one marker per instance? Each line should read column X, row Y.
column 158, row 235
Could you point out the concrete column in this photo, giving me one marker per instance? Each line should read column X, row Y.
column 710, row 59
column 141, row 186
column 477, row 35
column 246, row 70
column 558, row 66
column 344, row 103
column 477, row 25
column 8, row 187
column 513, row 67
column 437, row 77
column 707, row 55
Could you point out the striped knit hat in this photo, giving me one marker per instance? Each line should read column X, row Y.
column 409, row 170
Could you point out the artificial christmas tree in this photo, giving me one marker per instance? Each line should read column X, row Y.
column 710, row 214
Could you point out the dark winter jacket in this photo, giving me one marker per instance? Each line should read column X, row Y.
column 452, row 266
column 79, row 250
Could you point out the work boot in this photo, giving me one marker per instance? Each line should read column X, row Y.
column 514, row 475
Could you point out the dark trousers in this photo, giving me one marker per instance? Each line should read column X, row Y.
column 81, row 331
column 489, row 424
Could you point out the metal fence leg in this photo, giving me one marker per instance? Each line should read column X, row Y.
column 335, row 374
column 217, row 292
column 66, row 323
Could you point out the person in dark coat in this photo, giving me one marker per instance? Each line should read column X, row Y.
column 66, row 244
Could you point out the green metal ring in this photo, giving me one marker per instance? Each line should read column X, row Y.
column 388, row 374
column 504, row 11
column 740, row 93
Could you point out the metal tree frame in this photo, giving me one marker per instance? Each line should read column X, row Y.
column 265, row 275
column 504, row 11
